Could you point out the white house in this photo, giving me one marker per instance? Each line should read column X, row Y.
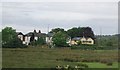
column 20, row 35
column 31, row 36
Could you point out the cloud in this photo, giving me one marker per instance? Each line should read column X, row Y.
column 28, row 16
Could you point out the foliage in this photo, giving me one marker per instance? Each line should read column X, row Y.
column 14, row 43
column 8, row 34
column 80, row 32
column 40, row 41
column 57, row 30
column 10, row 39
column 74, row 32
column 59, row 39
column 108, row 40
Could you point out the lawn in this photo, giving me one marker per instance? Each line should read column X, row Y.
column 37, row 57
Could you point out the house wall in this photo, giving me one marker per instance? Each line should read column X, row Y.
column 87, row 41
column 48, row 39
column 27, row 40
column 36, row 38
column 90, row 40
column 20, row 37
column 73, row 42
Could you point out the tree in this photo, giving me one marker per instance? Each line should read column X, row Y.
column 59, row 39
column 10, row 39
column 80, row 32
column 74, row 32
column 8, row 34
column 57, row 30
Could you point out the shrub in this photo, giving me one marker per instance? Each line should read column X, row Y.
column 82, row 65
column 109, row 63
column 14, row 43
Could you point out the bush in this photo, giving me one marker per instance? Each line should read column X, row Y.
column 14, row 43
column 82, row 65
column 109, row 63
column 93, row 47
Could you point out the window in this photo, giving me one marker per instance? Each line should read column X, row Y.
column 89, row 42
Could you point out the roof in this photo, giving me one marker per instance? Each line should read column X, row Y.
column 19, row 33
column 76, row 38
column 50, row 34
column 36, row 34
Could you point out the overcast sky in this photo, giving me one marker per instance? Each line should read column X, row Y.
column 27, row 16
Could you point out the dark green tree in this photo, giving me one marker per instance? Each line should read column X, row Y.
column 80, row 32
column 8, row 34
column 74, row 32
column 57, row 30
column 10, row 39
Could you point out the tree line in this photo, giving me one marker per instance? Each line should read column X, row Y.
column 61, row 36
column 10, row 39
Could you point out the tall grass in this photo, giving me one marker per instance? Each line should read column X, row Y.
column 36, row 57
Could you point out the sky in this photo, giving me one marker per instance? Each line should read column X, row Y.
column 27, row 16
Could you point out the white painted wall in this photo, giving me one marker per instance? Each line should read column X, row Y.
column 20, row 37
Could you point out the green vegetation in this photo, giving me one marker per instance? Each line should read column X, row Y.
column 100, row 55
column 80, row 32
column 10, row 39
column 58, row 30
column 108, row 41
column 59, row 39
column 38, row 57
column 39, row 42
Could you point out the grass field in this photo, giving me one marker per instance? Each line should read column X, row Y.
column 48, row 58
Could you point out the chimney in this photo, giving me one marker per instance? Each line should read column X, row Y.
column 35, row 31
column 39, row 31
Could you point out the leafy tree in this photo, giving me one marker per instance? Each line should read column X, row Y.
column 57, row 30
column 8, row 34
column 80, row 32
column 74, row 32
column 10, row 39
column 59, row 39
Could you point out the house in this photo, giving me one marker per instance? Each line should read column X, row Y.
column 87, row 40
column 20, row 35
column 82, row 40
column 75, row 40
column 49, row 38
column 31, row 36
